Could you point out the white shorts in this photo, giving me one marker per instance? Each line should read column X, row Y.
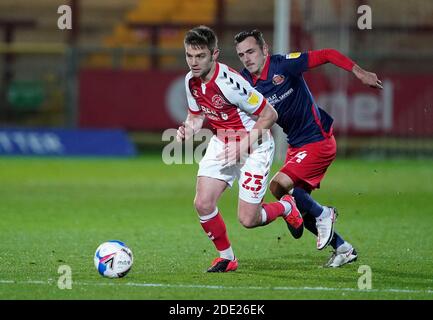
column 252, row 175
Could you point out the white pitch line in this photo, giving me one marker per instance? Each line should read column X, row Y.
column 217, row 287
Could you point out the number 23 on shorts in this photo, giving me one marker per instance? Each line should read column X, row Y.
column 252, row 182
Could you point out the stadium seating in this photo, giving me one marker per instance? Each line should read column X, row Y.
column 106, row 23
column 153, row 13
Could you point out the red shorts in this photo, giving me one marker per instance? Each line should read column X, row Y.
column 307, row 165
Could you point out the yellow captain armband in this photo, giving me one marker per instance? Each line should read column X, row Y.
column 293, row 55
column 253, row 99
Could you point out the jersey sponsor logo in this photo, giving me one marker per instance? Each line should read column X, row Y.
column 209, row 113
column 218, row 101
column 212, row 117
column 277, row 79
column 274, row 99
column 293, row 55
column 253, row 98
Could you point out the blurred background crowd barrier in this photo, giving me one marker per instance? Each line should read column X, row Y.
column 122, row 66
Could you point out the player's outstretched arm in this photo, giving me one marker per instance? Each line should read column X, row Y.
column 192, row 124
column 319, row 57
column 367, row 78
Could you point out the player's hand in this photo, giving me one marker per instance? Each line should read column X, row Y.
column 234, row 152
column 230, row 154
column 367, row 78
column 184, row 132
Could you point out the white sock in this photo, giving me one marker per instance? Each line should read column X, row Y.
column 346, row 246
column 227, row 254
column 325, row 213
column 287, row 207
column 209, row 216
column 264, row 216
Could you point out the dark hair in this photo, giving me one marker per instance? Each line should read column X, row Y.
column 201, row 36
column 256, row 34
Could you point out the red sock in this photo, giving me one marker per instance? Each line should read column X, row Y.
column 273, row 211
column 215, row 229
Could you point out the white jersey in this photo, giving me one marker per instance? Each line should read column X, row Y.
column 230, row 104
column 228, row 101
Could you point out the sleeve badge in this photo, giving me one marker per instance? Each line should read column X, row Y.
column 253, row 98
column 293, row 55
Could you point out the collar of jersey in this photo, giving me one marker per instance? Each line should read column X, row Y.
column 214, row 76
column 264, row 74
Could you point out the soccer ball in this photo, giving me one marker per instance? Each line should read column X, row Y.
column 113, row 259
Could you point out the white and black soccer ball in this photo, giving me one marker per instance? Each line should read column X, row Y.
column 113, row 259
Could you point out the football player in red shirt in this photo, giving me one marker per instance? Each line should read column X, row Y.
column 241, row 147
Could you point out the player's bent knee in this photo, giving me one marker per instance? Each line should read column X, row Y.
column 249, row 214
column 204, row 206
column 248, row 222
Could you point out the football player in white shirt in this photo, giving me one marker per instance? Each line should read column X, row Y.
column 242, row 146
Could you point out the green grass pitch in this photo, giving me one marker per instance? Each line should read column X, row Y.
column 56, row 212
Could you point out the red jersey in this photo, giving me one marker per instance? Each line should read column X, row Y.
column 228, row 101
